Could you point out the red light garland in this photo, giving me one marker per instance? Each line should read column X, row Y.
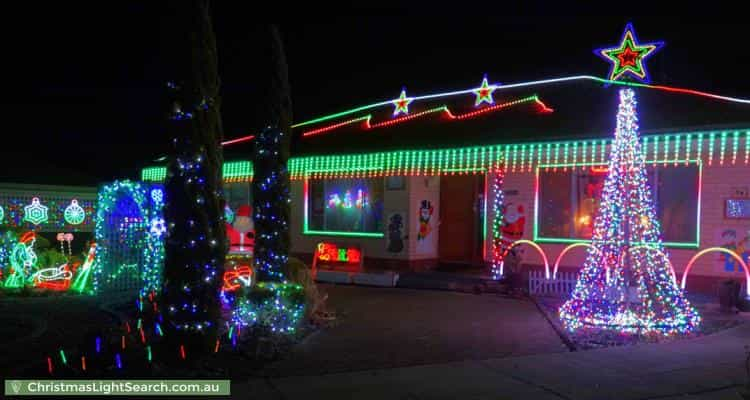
column 313, row 132
column 445, row 109
column 408, row 117
column 496, row 107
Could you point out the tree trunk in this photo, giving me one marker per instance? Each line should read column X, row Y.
column 195, row 242
column 270, row 174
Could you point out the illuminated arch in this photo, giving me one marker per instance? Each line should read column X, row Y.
column 720, row 250
column 532, row 244
column 128, row 202
column 565, row 250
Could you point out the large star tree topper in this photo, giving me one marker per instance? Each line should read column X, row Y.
column 628, row 58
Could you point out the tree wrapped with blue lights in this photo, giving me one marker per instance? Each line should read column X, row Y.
column 271, row 205
column 194, row 205
column 270, row 173
column 273, row 305
column 627, row 283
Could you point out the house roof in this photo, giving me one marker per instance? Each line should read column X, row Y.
column 582, row 109
column 572, row 118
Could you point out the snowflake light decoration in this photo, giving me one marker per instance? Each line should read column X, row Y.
column 158, row 227
column 157, row 195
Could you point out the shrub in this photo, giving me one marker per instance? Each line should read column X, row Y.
column 299, row 273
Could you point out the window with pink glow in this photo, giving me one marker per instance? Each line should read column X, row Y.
column 346, row 205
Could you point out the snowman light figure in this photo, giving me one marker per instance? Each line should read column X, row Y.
column 241, row 233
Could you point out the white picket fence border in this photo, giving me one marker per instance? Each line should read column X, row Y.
column 561, row 286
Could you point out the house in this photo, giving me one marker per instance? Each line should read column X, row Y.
column 414, row 181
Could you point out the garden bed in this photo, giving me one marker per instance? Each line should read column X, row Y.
column 713, row 320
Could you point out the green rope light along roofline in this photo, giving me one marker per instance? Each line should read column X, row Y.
column 518, row 157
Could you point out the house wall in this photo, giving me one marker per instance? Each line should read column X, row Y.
column 719, row 182
column 15, row 197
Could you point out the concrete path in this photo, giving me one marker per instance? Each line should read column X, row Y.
column 710, row 367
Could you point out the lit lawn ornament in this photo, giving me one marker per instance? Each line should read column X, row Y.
column 239, row 276
column 68, row 239
column 61, row 239
column 54, row 278
column 65, row 238
column 23, row 261
column 82, row 281
column 241, row 232
column 331, row 255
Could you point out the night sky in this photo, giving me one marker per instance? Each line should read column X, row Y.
column 87, row 98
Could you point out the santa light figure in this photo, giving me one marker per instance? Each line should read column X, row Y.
column 241, row 233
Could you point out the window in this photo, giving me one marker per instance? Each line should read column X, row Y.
column 347, row 207
column 238, row 194
column 567, row 202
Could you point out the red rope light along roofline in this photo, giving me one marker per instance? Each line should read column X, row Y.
column 238, row 140
column 324, row 129
column 409, row 117
column 445, row 109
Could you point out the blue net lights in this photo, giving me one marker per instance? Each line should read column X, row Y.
column 127, row 248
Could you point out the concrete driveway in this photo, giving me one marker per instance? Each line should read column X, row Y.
column 389, row 328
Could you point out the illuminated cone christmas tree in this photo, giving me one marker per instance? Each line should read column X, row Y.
column 627, row 282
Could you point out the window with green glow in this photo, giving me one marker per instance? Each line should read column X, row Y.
column 346, row 205
column 568, row 201
column 238, row 194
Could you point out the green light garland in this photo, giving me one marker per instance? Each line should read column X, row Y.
column 277, row 307
column 447, row 161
